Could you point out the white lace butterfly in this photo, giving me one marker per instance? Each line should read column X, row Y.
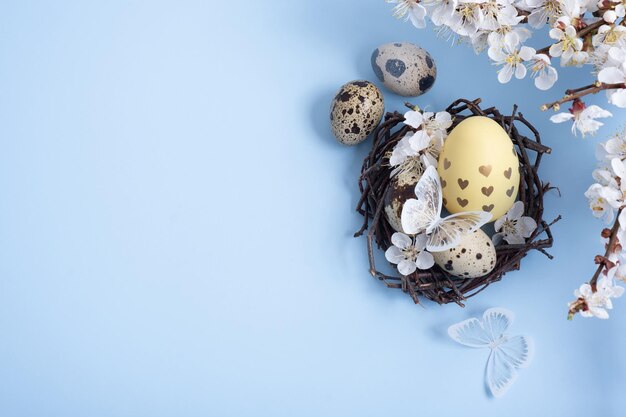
column 423, row 215
column 507, row 353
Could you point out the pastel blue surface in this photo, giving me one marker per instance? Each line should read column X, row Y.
column 176, row 222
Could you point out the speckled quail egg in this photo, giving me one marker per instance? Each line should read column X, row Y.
column 356, row 111
column 404, row 68
column 401, row 188
column 473, row 257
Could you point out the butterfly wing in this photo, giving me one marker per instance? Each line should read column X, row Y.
column 518, row 351
column 504, row 360
column 447, row 233
column 470, row 333
column 500, row 373
column 508, row 354
column 497, row 321
column 421, row 214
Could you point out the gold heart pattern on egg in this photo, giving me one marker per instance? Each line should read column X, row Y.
column 479, row 169
column 485, row 170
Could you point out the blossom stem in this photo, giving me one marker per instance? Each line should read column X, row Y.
column 573, row 94
column 609, row 249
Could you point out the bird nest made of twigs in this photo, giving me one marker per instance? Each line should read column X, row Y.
column 436, row 284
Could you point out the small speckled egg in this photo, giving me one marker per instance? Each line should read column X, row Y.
column 356, row 111
column 473, row 257
column 404, row 68
column 402, row 188
column 479, row 168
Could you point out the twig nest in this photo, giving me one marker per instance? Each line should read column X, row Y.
column 474, row 262
column 475, row 256
column 404, row 68
column 355, row 112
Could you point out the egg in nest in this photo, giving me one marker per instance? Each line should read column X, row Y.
column 479, row 168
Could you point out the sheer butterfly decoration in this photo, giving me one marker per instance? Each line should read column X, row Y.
column 507, row 353
column 423, row 215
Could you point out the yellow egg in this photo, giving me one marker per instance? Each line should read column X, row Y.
column 479, row 168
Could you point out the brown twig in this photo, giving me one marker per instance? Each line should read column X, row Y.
column 581, row 304
column 577, row 93
column 609, row 250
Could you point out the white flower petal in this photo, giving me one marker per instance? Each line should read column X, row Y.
column 419, row 141
column 526, row 226
column 561, row 117
column 505, row 74
column 394, row 255
column 421, row 241
column 496, row 54
column 516, row 211
column 611, row 75
column 526, row 53
column 596, row 112
column 618, row 167
column 546, row 80
column 555, row 50
column 413, row 119
column 406, row 267
column 618, row 98
column 556, row 33
column 424, row 260
column 514, row 239
column 401, row 240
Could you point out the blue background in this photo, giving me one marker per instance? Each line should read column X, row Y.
column 176, row 222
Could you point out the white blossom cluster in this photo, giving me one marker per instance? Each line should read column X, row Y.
column 420, row 149
column 582, row 32
column 607, row 197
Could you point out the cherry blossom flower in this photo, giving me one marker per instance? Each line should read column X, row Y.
column 418, row 150
column 414, row 153
column 598, row 302
column 409, row 254
column 498, row 13
column 599, row 198
column 615, row 75
column 569, row 46
column 467, row 17
column 514, row 227
column 512, row 36
column 442, row 11
column 511, row 59
column 541, row 11
column 615, row 147
column 435, row 125
column 545, row 75
column 570, row 12
column 578, row 34
column 411, row 10
column 583, row 117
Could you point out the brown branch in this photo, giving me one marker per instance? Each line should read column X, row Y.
column 580, row 304
column 609, row 250
column 573, row 94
